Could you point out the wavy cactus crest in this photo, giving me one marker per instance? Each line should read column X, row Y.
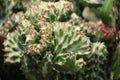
column 32, row 25
column 14, row 46
column 64, row 54
column 47, row 49
column 25, row 39
column 90, row 29
column 70, row 39
column 67, row 41
column 50, row 12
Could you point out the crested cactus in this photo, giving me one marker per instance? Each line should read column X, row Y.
column 48, row 48
column 68, row 43
column 64, row 53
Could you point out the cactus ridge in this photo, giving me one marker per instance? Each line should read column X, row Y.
column 97, row 57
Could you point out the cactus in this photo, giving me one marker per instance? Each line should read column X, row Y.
column 95, row 67
column 96, row 31
column 68, row 45
column 15, row 46
column 13, row 21
column 63, row 51
column 50, row 12
column 8, row 8
column 67, row 42
column 115, row 66
column 52, row 49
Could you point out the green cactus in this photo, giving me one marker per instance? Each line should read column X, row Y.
column 5, row 8
column 8, row 8
column 67, row 42
column 14, row 46
column 42, row 0
column 50, row 12
column 95, row 67
column 50, row 50
column 13, row 21
column 92, row 30
column 115, row 66
column 33, row 20
column 65, row 50
column 61, row 50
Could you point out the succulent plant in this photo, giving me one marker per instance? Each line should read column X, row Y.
column 67, row 48
column 115, row 66
column 62, row 46
column 50, row 12
column 95, row 67
column 5, row 8
column 15, row 46
column 66, row 42
column 13, row 21
column 64, row 54
column 8, row 8
column 52, row 49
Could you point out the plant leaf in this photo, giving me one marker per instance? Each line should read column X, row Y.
column 106, row 10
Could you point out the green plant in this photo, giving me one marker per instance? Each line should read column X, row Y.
column 116, row 64
column 62, row 52
column 98, row 58
column 49, row 49
column 8, row 7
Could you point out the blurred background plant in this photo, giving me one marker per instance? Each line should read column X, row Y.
column 34, row 44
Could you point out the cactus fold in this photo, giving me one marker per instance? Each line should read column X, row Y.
column 68, row 43
column 50, row 12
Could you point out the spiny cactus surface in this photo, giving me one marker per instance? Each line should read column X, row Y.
column 95, row 67
column 45, row 46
